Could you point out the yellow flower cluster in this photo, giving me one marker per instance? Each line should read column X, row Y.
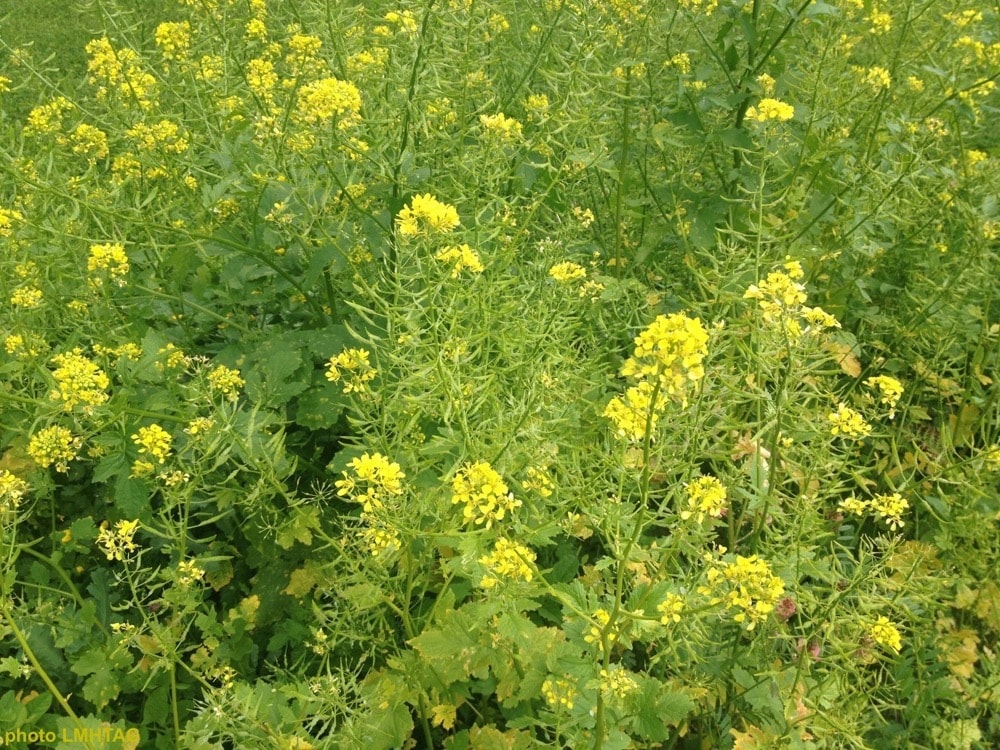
column 109, row 258
column 631, row 413
column 889, row 390
column 668, row 357
column 117, row 543
column 225, row 380
column 173, row 39
column 47, row 118
column 539, row 481
column 885, row 634
column 378, row 536
column 509, row 560
column 559, row 694
column 992, row 457
column 118, row 72
column 12, row 490
column 164, row 136
column 780, row 291
column 618, row 682
column 595, row 634
column 849, row 423
column 670, row 609
column 78, row 381
column 373, row 481
column 54, row 445
column 9, row 220
column 881, row 22
column 876, row 77
column 153, row 441
column 89, row 142
column 483, row 492
column 500, row 128
column 770, row 109
column 27, row 297
column 887, row 508
column 461, row 257
column 699, row 6
column 706, row 497
column 753, row 588
column 567, row 271
column 426, row 215
column 326, row 99
column 351, row 366
column 189, row 572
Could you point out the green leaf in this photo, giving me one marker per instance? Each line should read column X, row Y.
column 299, row 528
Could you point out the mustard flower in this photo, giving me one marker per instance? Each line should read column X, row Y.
column 117, row 543
column 567, row 271
column 559, row 694
column 672, row 348
column 9, row 220
column 327, row 99
column 779, row 293
column 189, row 572
column 483, row 492
column 261, row 78
column 885, row 634
column 539, row 481
column 849, row 423
column 47, row 118
column 889, row 390
column 595, row 634
column 537, row 104
column 153, row 441
column 404, row 20
column 164, row 135
column 426, row 215
column 890, row 509
column 618, row 682
column 173, row 39
column 111, row 259
column 54, row 445
column 819, row 319
column 351, row 366
column 500, row 128
column 881, row 22
column 78, row 381
column 770, row 109
column 118, row 72
column 378, row 537
column 753, row 589
column 27, row 297
column 12, row 490
column 992, row 457
column 508, row 561
column 706, row 496
column 373, row 480
column 671, row 609
column 876, row 77
column 225, row 380
column 461, row 257
column 89, row 142
column 631, row 413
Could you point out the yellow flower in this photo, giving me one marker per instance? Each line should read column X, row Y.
column 753, row 589
column 706, row 496
column 372, row 481
column 12, row 489
column 461, row 257
column 631, row 412
column 351, row 366
column 88, row 141
column 509, row 560
column 770, row 109
column 9, row 220
column 54, row 445
column 153, row 441
column 618, row 682
column 117, row 543
column 47, row 118
column 559, row 694
column 849, row 423
column 225, row 380
column 670, row 609
column 671, row 349
column 27, row 297
column 173, row 39
column 885, row 634
column 889, row 389
column 567, row 271
column 483, row 492
column 426, row 215
column 890, row 509
column 326, row 99
column 110, row 258
column 500, row 128
column 78, row 381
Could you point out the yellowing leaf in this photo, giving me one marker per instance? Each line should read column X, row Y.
column 844, row 356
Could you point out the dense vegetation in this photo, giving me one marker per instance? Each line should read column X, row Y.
column 460, row 374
